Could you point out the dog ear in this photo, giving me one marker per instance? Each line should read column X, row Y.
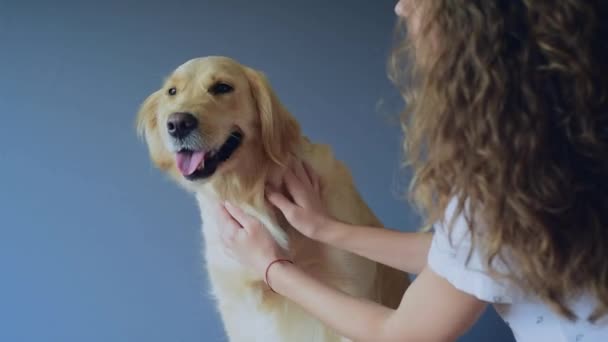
column 147, row 128
column 146, row 120
column 280, row 130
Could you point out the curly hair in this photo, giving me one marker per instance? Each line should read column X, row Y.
column 507, row 112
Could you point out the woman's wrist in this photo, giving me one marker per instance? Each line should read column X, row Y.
column 328, row 231
column 275, row 273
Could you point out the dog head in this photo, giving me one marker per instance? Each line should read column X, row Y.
column 214, row 117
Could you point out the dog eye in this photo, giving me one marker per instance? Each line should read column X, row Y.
column 172, row 91
column 220, row 88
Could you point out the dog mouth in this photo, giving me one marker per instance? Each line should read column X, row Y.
column 200, row 164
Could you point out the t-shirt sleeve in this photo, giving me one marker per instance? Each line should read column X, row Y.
column 448, row 259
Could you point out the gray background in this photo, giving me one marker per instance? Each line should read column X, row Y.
column 97, row 245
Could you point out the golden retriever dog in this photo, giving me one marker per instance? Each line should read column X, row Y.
column 219, row 131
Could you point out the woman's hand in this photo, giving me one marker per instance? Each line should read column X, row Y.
column 246, row 239
column 306, row 212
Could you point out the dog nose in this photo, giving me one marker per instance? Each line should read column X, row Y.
column 180, row 125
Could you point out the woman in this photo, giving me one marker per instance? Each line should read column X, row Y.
column 507, row 132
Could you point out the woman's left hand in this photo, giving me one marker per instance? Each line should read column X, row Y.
column 245, row 238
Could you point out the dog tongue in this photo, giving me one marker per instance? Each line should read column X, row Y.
column 187, row 162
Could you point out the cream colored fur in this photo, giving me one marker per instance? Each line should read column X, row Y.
column 272, row 138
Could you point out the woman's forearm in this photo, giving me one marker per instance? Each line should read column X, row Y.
column 357, row 319
column 431, row 309
column 401, row 250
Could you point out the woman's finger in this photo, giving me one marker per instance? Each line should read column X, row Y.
column 313, row 176
column 229, row 227
column 307, row 170
column 295, row 187
column 228, row 219
column 238, row 215
column 278, row 200
column 300, row 172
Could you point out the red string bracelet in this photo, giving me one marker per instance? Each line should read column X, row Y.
column 268, row 268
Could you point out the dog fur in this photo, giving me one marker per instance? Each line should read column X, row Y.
column 271, row 139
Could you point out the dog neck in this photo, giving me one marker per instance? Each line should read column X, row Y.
column 244, row 186
column 249, row 197
column 245, row 182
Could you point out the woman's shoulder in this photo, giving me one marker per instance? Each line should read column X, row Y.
column 455, row 255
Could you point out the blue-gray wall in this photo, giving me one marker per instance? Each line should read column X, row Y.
column 95, row 244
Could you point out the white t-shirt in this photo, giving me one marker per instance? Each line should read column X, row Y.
column 529, row 319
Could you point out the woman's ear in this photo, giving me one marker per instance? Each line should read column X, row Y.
column 148, row 128
column 279, row 130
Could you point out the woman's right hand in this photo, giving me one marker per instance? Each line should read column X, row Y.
column 305, row 210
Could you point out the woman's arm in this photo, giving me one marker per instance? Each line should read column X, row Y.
column 305, row 212
column 401, row 250
column 431, row 310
